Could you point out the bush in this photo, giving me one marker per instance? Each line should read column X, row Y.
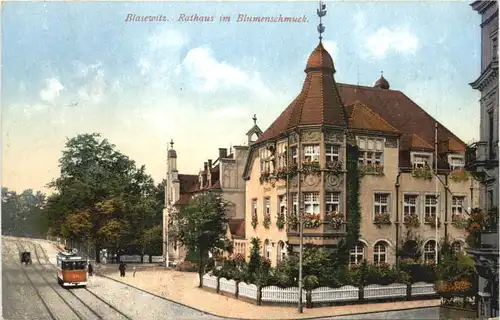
column 187, row 266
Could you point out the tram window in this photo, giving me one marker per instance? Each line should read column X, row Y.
column 74, row 265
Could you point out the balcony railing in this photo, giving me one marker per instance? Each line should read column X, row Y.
column 327, row 229
column 479, row 154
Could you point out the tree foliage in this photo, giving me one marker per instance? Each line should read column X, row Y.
column 202, row 225
column 102, row 198
column 21, row 213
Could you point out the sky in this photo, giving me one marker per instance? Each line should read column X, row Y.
column 80, row 67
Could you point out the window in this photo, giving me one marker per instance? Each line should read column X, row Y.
column 430, row 205
column 267, row 249
column 410, row 204
column 332, row 201
column 282, row 204
column 311, row 153
column 311, row 202
column 489, row 204
column 491, row 132
column 381, row 203
column 457, row 163
column 371, row 151
column 380, row 252
column 332, row 152
column 421, row 161
column 457, row 203
column 281, row 152
column 267, row 206
column 295, row 203
column 494, row 48
column 357, row 254
column 456, row 247
column 293, row 152
column 281, row 251
column 265, row 162
column 430, row 251
column 254, row 208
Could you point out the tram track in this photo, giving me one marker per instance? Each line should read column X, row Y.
column 52, row 267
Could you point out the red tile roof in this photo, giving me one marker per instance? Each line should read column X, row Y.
column 318, row 102
column 362, row 117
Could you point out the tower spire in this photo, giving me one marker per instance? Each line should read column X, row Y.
column 254, row 119
column 321, row 13
column 171, row 143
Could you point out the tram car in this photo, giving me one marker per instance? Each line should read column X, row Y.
column 71, row 269
column 25, row 257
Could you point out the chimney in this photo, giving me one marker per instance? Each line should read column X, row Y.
column 209, row 164
column 222, row 153
column 204, row 175
column 209, row 173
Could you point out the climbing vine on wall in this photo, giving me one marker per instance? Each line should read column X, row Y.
column 353, row 206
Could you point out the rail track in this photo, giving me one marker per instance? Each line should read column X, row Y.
column 83, row 312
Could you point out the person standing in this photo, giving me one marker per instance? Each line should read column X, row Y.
column 122, row 268
column 90, row 269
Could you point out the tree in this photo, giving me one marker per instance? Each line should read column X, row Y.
column 22, row 213
column 202, row 226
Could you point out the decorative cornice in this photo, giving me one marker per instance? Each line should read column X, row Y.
column 489, row 75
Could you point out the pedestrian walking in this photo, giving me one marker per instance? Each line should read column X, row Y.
column 90, row 269
column 134, row 272
column 122, row 268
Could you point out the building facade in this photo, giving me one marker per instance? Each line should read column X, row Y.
column 482, row 159
column 298, row 165
column 223, row 175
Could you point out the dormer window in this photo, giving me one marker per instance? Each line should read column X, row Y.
column 456, row 163
column 421, row 161
column 332, row 152
column 371, row 151
column 265, row 161
column 281, row 155
column 311, row 153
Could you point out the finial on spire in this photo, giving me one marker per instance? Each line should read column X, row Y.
column 254, row 119
column 321, row 13
column 171, row 143
column 381, row 73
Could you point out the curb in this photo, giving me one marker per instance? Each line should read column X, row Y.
column 224, row 317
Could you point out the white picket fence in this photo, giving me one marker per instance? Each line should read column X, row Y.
column 375, row 291
column 247, row 290
column 422, row 289
column 281, row 295
column 274, row 294
column 327, row 294
column 137, row 258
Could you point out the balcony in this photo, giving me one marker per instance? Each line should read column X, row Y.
column 478, row 157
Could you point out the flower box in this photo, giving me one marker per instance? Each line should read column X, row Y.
column 334, row 166
column 267, row 220
column 371, row 169
column 311, row 221
column 422, row 173
column 382, row 219
column 280, row 221
column 459, row 176
column 311, row 167
column 255, row 221
column 336, row 219
column 264, row 176
column 459, row 220
column 411, row 220
column 431, row 220
column 292, row 221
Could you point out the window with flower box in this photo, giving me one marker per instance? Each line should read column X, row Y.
column 357, row 254
column 311, row 202
column 332, row 152
column 265, row 161
column 421, row 161
column 371, row 151
column 430, row 251
column 293, row 155
column 254, row 207
column 456, row 163
column 431, row 206
column 311, row 153
column 410, row 204
column 381, row 203
column 282, row 204
column 380, row 252
column 281, row 155
column 457, row 204
column 332, row 201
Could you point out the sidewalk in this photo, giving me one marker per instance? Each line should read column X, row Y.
column 182, row 287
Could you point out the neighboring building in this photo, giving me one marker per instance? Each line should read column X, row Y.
column 222, row 175
column 396, row 139
column 482, row 159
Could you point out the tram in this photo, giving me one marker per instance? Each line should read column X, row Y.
column 71, row 269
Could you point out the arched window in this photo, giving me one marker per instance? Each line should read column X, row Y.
column 357, row 254
column 281, row 251
column 430, row 251
column 456, row 247
column 380, row 252
column 267, row 249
